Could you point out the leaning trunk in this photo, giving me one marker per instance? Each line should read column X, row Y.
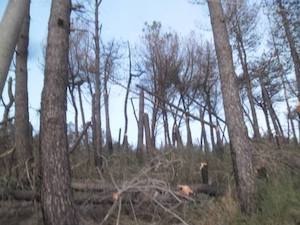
column 241, row 150
column 10, row 28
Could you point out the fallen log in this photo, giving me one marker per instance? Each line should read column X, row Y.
column 94, row 194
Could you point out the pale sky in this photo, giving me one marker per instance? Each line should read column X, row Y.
column 122, row 20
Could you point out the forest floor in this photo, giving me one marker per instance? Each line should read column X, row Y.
column 130, row 192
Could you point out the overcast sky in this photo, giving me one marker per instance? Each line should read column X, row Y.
column 121, row 20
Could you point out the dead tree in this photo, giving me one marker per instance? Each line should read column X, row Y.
column 57, row 198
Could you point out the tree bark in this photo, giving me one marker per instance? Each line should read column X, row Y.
column 57, row 197
column 10, row 28
column 241, row 150
column 23, row 134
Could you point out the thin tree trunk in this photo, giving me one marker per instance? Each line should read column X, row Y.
column 241, row 150
column 139, row 150
column 10, row 28
column 57, row 198
column 149, row 146
column 97, row 109
column 154, row 120
column 109, row 143
column 209, row 110
column 23, row 134
column 125, row 139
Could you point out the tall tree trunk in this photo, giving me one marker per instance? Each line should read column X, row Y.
column 23, row 134
column 125, row 139
column 295, row 55
column 109, row 143
column 243, row 59
column 10, row 28
column 241, row 150
column 97, row 115
column 139, row 150
column 57, row 199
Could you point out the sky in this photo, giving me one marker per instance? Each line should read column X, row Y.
column 122, row 20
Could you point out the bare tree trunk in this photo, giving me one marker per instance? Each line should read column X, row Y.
column 139, row 150
column 97, row 109
column 295, row 55
column 149, row 146
column 241, row 150
column 10, row 28
column 109, row 143
column 209, row 110
column 57, row 198
column 23, row 134
column 125, row 139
